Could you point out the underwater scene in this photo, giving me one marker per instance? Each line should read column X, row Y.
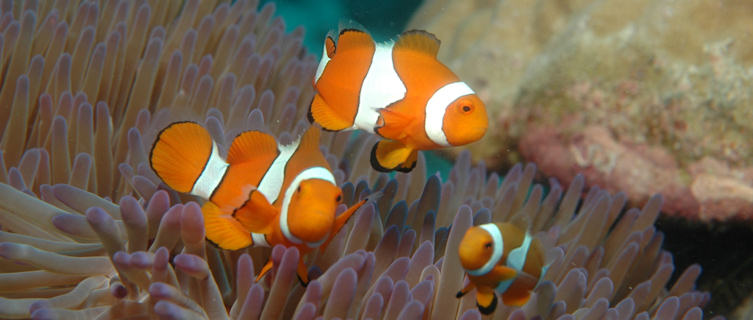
column 343, row 159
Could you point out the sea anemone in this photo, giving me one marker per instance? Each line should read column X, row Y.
column 89, row 230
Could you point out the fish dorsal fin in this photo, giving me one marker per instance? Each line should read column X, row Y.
column 418, row 40
column 310, row 139
column 250, row 144
column 329, row 45
column 354, row 39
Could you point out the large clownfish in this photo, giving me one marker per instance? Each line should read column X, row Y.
column 262, row 195
column 398, row 90
column 500, row 258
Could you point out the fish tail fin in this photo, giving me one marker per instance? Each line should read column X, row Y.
column 326, row 116
column 388, row 155
column 486, row 302
column 223, row 229
column 180, row 153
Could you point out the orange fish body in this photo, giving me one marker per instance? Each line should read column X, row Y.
column 295, row 178
column 500, row 258
column 398, row 90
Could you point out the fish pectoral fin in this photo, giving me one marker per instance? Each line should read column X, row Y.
column 342, row 219
column 505, row 272
column 418, row 40
column 388, row 155
column 251, row 144
column 223, row 229
column 257, row 214
column 303, row 273
column 486, row 302
column 179, row 154
column 470, row 286
column 393, row 125
column 326, row 116
column 265, row 269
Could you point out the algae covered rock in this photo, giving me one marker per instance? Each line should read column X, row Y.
column 672, row 77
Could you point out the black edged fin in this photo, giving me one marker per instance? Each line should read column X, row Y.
column 349, row 24
column 419, row 40
column 354, row 39
column 407, row 169
column 303, row 283
column 490, row 308
column 328, row 118
column 375, row 163
column 330, row 46
column 309, row 115
column 459, row 294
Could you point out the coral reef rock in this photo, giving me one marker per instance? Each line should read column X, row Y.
column 667, row 83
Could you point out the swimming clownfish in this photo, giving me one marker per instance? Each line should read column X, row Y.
column 295, row 179
column 501, row 258
column 398, row 90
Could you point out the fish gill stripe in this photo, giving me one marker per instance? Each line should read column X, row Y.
column 271, row 183
column 516, row 259
column 211, row 175
column 381, row 87
column 499, row 247
column 437, row 106
column 310, row 173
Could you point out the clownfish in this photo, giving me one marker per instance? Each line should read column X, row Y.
column 500, row 258
column 263, row 194
column 398, row 90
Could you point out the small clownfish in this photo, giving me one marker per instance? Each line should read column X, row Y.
column 500, row 257
column 295, row 178
column 398, row 90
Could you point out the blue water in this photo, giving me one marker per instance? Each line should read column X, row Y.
column 383, row 19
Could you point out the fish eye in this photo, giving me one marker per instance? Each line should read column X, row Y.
column 339, row 197
column 488, row 245
column 466, row 108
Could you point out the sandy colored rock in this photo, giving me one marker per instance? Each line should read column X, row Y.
column 667, row 82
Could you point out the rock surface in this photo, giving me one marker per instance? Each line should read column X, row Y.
column 644, row 96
